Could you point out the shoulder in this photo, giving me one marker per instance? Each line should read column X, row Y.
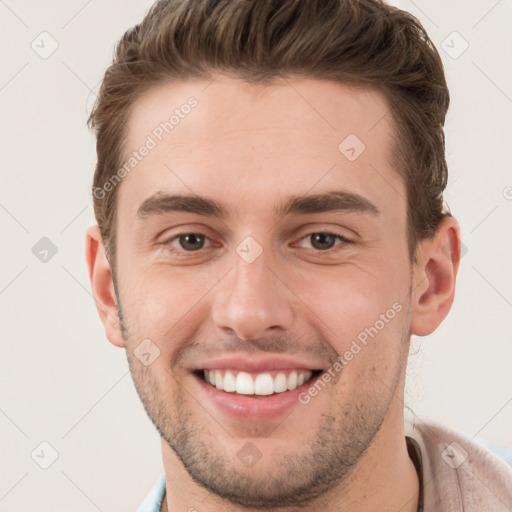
column 460, row 473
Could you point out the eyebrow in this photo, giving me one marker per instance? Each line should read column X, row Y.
column 336, row 200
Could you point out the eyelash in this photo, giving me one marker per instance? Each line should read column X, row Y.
column 345, row 240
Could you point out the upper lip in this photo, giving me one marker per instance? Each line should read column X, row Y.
column 253, row 364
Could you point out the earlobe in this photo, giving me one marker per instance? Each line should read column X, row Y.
column 102, row 285
column 434, row 277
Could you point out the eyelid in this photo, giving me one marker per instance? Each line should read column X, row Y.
column 167, row 241
column 344, row 239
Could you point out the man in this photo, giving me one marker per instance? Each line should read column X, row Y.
column 271, row 232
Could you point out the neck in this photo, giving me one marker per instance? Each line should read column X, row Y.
column 383, row 479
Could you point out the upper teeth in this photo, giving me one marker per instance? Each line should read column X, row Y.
column 257, row 384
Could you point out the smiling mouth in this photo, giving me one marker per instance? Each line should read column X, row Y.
column 257, row 384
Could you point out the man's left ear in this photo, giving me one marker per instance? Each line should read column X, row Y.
column 434, row 277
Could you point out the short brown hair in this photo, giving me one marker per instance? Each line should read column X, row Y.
column 354, row 42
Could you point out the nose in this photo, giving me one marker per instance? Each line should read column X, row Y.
column 253, row 300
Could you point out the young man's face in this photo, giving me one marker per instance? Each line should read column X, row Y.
column 263, row 287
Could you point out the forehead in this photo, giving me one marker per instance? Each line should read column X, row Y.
column 227, row 135
column 320, row 106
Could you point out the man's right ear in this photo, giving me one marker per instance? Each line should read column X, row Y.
column 102, row 285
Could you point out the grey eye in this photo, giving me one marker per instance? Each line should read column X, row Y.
column 191, row 241
column 323, row 241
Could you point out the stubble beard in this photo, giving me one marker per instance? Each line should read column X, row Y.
column 344, row 433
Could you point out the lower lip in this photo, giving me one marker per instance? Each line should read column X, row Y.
column 254, row 407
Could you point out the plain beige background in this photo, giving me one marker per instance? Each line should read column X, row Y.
column 62, row 382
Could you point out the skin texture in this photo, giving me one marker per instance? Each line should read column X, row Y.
column 251, row 147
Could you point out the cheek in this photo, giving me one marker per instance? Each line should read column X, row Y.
column 362, row 314
column 165, row 305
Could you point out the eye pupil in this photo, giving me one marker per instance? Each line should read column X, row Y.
column 321, row 238
column 190, row 241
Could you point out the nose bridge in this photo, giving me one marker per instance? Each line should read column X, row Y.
column 252, row 299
